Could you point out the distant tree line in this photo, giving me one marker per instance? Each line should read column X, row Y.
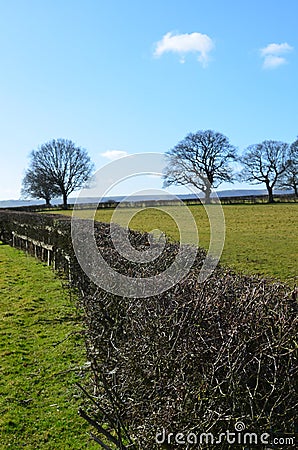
column 204, row 160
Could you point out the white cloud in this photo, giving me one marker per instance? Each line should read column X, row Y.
column 186, row 43
column 114, row 154
column 272, row 61
column 272, row 55
column 276, row 49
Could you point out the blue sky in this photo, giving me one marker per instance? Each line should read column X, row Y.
column 138, row 76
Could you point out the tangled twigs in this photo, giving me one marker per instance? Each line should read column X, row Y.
column 196, row 358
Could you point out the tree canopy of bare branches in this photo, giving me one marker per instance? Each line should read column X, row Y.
column 37, row 185
column 201, row 160
column 58, row 163
column 265, row 163
column 289, row 179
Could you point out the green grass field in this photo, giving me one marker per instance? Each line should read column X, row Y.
column 260, row 239
column 41, row 345
column 39, row 366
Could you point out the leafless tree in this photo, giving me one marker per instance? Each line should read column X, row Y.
column 289, row 179
column 37, row 185
column 201, row 160
column 265, row 163
column 64, row 166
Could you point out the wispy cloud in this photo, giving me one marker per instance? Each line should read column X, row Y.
column 273, row 55
column 114, row 154
column 181, row 44
column 272, row 61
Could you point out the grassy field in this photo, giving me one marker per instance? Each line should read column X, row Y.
column 39, row 366
column 41, row 344
column 260, row 239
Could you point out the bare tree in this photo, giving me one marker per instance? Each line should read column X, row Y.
column 201, row 160
column 265, row 163
column 37, row 185
column 289, row 179
column 64, row 165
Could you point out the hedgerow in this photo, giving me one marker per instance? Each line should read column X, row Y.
column 196, row 358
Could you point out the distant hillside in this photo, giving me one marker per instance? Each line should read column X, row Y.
column 226, row 193
column 17, row 203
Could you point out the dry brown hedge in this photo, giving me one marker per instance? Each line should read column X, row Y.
column 197, row 358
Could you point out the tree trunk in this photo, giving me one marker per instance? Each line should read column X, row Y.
column 270, row 194
column 48, row 201
column 296, row 189
column 65, row 206
column 207, row 195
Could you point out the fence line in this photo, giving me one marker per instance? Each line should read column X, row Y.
column 229, row 200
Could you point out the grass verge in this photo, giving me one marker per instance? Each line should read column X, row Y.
column 42, row 356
